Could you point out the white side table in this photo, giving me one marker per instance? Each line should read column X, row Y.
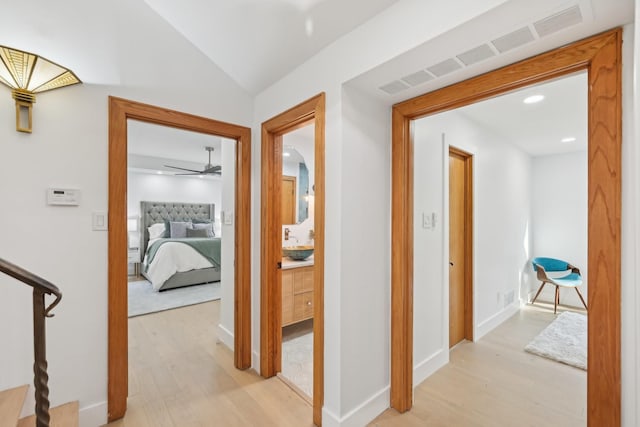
column 134, row 258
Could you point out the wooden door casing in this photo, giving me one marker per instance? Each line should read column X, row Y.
column 601, row 56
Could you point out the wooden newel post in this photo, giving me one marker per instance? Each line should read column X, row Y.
column 41, row 377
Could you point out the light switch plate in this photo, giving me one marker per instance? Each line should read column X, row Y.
column 228, row 218
column 99, row 221
column 426, row 220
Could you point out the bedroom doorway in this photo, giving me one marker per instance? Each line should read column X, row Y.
column 600, row 56
column 236, row 217
column 304, row 283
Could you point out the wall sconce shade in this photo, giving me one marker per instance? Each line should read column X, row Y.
column 28, row 74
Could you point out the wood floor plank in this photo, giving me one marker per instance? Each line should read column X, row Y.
column 181, row 375
column 494, row 382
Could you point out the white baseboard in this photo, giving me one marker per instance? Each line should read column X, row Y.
column 225, row 336
column 361, row 415
column 488, row 325
column 93, row 415
column 428, row 366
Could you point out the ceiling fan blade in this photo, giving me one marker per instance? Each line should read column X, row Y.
column 182, row 169
column 213, row 169
column 191, row 174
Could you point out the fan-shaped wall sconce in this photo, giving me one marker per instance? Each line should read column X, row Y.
column 28, row 74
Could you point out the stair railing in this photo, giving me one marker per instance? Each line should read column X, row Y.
column 40, row 312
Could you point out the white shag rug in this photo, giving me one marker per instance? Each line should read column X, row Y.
column 143, row 299
column 564, row 340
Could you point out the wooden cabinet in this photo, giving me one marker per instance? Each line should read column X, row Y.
column 297, row 294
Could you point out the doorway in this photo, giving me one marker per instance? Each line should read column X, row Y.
column 460, row 246
column 271, row 292
column 601, row 56
column 121, row 110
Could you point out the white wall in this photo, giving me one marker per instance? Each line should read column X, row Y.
column 366, row 256
column 502, row 186
column 151, row 187
column 68, row 148
column 227, row 278
column 630, row 334
column 559, row 218
column 360, row 400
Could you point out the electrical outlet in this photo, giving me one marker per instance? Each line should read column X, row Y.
column 508, row 298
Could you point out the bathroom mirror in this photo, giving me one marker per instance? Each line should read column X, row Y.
column 295, row 187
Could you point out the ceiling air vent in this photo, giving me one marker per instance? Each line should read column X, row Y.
column 417, row 78
column 513, row 40
column 394, row 87
column 444, row 67
column 477, row 54
column 558, row 21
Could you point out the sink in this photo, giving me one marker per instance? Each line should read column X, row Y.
column 297, row 253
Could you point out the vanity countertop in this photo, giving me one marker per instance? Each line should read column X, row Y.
column 289, row 263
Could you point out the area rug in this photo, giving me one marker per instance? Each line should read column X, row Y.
column 143, row 299
column 297, row 362
column 564, row 340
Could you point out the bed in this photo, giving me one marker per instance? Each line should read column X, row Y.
column 171, row 262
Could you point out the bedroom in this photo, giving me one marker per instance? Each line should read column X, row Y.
column 170, row 198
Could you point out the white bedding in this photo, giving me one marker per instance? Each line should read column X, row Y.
column 173, row 257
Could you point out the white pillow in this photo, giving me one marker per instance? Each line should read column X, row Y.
column 156, row 230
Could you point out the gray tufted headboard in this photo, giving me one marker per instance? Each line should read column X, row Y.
column 155, row 212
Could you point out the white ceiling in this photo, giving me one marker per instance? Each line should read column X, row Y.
column 257, row 42
column 538, row 128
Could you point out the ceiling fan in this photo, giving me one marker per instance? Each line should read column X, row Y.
column 209, row 169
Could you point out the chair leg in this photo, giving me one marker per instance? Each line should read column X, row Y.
column 538, row 293
column 557, row 300
column 581, row 299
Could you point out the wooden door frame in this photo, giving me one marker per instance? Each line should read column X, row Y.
column 601, row 56
column 469, row 308
column 120, row 110
column 270, row 242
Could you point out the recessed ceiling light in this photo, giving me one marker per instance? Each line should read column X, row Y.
column 285, row 154
column 533, row 99
column 568, row 139
column 159, row 172
column 200, row 176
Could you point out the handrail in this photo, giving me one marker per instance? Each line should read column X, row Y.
column 32, row 280
column 40, row 313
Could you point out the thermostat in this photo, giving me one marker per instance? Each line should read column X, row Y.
column 63, row 197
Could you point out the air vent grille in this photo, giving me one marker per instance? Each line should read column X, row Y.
column 394, row 87
column 417, row 78
column 513, row 40
column 444, row 67
column 558, row 21
column 543, row 27
column 477, row 54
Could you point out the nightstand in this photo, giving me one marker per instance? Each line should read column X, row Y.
column 134, row 258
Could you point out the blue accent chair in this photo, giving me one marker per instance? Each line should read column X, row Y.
column 571, row 280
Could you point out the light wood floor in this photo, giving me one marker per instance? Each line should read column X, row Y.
column 493, row 382
column 179, row 375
